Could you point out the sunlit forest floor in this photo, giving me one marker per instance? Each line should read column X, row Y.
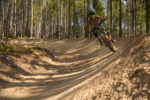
column 77, row 69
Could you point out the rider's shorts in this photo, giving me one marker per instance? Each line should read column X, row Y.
column 98, row 29
column 102, row 27
column 96, row 34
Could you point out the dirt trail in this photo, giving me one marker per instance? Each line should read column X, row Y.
column 64, row 72
column 127, row 78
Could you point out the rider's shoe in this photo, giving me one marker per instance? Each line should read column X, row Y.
column 114, row 41
column 101, row 42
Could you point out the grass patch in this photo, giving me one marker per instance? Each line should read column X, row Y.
column 14, row 48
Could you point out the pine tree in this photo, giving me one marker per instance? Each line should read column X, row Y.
column 120, row 23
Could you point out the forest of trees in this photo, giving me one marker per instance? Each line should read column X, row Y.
column 68, row 18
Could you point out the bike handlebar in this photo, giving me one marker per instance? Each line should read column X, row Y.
column 102, row 21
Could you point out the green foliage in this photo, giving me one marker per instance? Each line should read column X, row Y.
column 80, row 7
column 36, row 16
column 3, row 38
column 2, row 48
column 100, row 9
column 123, row 10
column 139, row 13
column 53, row 6
column 22, row 49
column 14, row 48
column 8, row 37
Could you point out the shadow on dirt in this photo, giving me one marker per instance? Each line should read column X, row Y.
column 141, row 85
column 71, row 75
column 141, row 79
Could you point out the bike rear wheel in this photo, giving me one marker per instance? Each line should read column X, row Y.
column 112, row 47
column 109, row 44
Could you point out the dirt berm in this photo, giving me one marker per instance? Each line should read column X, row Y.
column 77, row 69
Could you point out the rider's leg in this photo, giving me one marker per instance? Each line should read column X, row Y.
column 100, row 41
column 113, row 40
column 110, row 37
column 97, row 30
column 106, row 32
column 98, row 38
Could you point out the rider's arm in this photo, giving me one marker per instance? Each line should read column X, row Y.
column 101, row 18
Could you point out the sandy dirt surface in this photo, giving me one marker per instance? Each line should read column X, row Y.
column 127, row 78
column 77, row 69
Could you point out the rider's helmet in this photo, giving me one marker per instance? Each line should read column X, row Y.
column 91, row 11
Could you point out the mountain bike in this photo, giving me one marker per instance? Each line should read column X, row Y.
column 107, row 40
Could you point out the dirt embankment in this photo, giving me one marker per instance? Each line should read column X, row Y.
column 49, row 74
column 128, row 78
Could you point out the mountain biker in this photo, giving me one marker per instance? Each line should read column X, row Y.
column 94, row 27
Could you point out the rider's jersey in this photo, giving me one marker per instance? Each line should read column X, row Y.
column 93, row 22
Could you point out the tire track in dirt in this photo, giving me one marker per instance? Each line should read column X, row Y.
column 126, row 78
column 76, row 62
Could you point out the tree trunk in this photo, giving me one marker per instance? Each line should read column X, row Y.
column 69, row 20
column 15, row 20
column 40, row 22
column 132, row 21
column 27, row 31
column 120, row 23
column 31, row 19
column 74, row 18
column 141, row 25
column 57, row 29
column 8, row 19
column 44, row 13
column 1, row 18
column 66, row 17
column 87, row 8
column 111, row 16
column 147, row 16
column 135, row 17
column 23, row 17
column 0, row 11
column 85, row 20
column 115, row 19
column 94, row 4
column 60, row 18
column 127, row 19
